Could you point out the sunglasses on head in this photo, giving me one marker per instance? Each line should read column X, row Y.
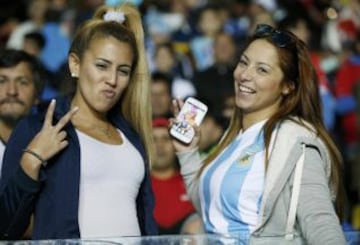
column 281, row 38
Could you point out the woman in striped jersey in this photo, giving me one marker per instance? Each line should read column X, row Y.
column 246, row 187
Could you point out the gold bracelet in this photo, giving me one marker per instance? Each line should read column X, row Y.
column 42, row 161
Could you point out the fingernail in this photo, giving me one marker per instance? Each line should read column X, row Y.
column 75, row 108
column 53, row 101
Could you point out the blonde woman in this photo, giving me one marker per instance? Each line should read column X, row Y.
column 82, row 166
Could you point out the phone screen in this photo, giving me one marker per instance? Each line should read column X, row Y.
column 192, row 113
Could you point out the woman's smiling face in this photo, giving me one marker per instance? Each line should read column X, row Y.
column 259, row 85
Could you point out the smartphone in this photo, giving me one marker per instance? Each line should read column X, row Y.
column 192, row 113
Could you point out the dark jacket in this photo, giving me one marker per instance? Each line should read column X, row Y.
column 54, row 198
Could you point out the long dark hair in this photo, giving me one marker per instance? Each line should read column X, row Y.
column 303, row 103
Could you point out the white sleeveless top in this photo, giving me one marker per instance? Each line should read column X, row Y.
column 2, row 150
column 110, row 178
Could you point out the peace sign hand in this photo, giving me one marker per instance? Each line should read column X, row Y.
column 52, row 138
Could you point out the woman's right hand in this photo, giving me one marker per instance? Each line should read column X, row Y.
column 50, row 140
column 179, row 146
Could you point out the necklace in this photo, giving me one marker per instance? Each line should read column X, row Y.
column 92, row 128
column 105, row 131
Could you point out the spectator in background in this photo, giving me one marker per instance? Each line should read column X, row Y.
column 211, row 130
column 341, row 32
column 21, row 84
column 58, row 39
column 238, row 22
column 34, row 42
column 209, row 24
column 36, row 18
column 216, row 82
column 228, row 107
column 347, row 85
column 172, row 204
column 161, row 20
column 347, row 78
column 261, row 12
column 12, row 13
column 168, row 61
column 299, row 26
column 189, row 10
column 161, row 95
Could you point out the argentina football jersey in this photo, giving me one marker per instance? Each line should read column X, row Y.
column 231, row 187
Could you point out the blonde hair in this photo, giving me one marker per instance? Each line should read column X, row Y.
column 135, row 101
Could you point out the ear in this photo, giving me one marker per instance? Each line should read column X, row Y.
column 288, row 87
column 74, row 65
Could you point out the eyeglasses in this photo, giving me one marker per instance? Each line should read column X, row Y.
column 281, row 38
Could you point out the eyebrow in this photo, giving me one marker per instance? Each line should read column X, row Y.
column 244, row 56
column 109, row 62
column 16, row 77
column 259, row 63
column 266, row 64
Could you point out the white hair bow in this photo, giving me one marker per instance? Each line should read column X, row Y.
column 114, row 16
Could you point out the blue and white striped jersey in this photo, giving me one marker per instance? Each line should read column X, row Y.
column 231, row 187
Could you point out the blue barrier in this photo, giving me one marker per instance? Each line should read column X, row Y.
column 200, row 239
column 352, row 237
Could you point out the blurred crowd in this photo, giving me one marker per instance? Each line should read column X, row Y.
column 192, row 48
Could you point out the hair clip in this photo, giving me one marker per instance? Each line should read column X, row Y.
column 114, row 16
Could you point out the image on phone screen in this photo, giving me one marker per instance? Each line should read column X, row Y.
column 192, row 113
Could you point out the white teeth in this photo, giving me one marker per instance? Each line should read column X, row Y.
column 246, row 89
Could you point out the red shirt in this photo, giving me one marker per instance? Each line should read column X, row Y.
column 348, row 76
column 172, row 203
